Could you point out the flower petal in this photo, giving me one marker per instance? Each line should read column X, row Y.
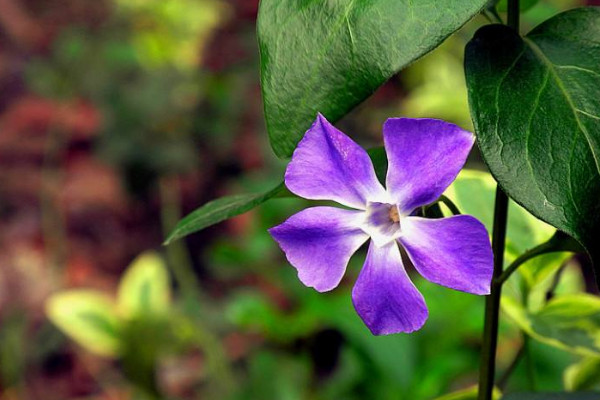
column 328, row 165
column 319, row 242
column 424, row 156
column 453, row 252
column 384, row 296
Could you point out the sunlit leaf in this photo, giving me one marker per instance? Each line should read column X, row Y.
column 468, row 394
column 89, row 318
column 436, row 85
column 570, row 322
column 474, row 191
column 144, row 290
column 174, row 32
column 583, row 375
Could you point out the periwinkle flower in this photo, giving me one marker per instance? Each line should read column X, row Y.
column 424, row 157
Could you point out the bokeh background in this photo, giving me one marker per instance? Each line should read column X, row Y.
column 118, row 117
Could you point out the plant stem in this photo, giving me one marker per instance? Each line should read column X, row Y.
column 451, row 206
column 529, row 363
column 512, row 18
column 177, row 255
column 492, row 302
column 492, row 15
column 546, row 247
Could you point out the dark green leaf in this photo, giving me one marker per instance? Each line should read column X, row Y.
column 535, row 104
column 380, row 162
column 328, row 56
column 219, row 210
column 552, row 396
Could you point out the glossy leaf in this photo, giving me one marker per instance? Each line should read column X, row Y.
column 583, row 375
column 536, row 110
column 569, row 322
column 144, row 290
column 328, row 56
column 219, row 210
column 88, row 317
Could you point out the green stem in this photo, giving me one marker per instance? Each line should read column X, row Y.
column 529, row 363
column 177, row 255
column 512, row 18
column 492, row 302
column 538, row 250
column 451, row 206
column 559, row 242
column 194, row 329
column 492, row 15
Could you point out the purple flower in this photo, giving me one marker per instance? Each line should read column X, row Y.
column 424, row 156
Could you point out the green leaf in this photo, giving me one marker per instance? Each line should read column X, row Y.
column 468, row 394
column 583, row 375
column 144, row 290
column 219, row 210
column 536, row 111
column 224, row 208
column 88, row 317
column 328, row 56
column 569, row 322
column 551, row 396
column 473, row 193
column 524, row 5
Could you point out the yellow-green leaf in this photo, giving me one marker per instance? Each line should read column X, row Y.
column 144, row 290
column 569, row 322
column 583, row 375
column 468, row 394
column 473, row 193
column 88, row 317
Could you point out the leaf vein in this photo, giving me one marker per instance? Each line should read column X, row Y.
column 551, row 67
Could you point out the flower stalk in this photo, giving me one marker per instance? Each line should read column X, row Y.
column 492, row 302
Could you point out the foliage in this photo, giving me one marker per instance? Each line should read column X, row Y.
column 328, row 57
column 97, row 322
column 542, row 146
column 235, row 323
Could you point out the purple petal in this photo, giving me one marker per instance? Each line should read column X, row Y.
column 328, row 165
column 319, row 242
column 424, row 156
column 384, row 297
column 453, row 252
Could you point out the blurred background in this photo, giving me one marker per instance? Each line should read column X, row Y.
column 118, row 117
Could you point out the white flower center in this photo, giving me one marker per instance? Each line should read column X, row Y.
column 382, row 222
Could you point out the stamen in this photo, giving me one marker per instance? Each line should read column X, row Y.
column 394, row 216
